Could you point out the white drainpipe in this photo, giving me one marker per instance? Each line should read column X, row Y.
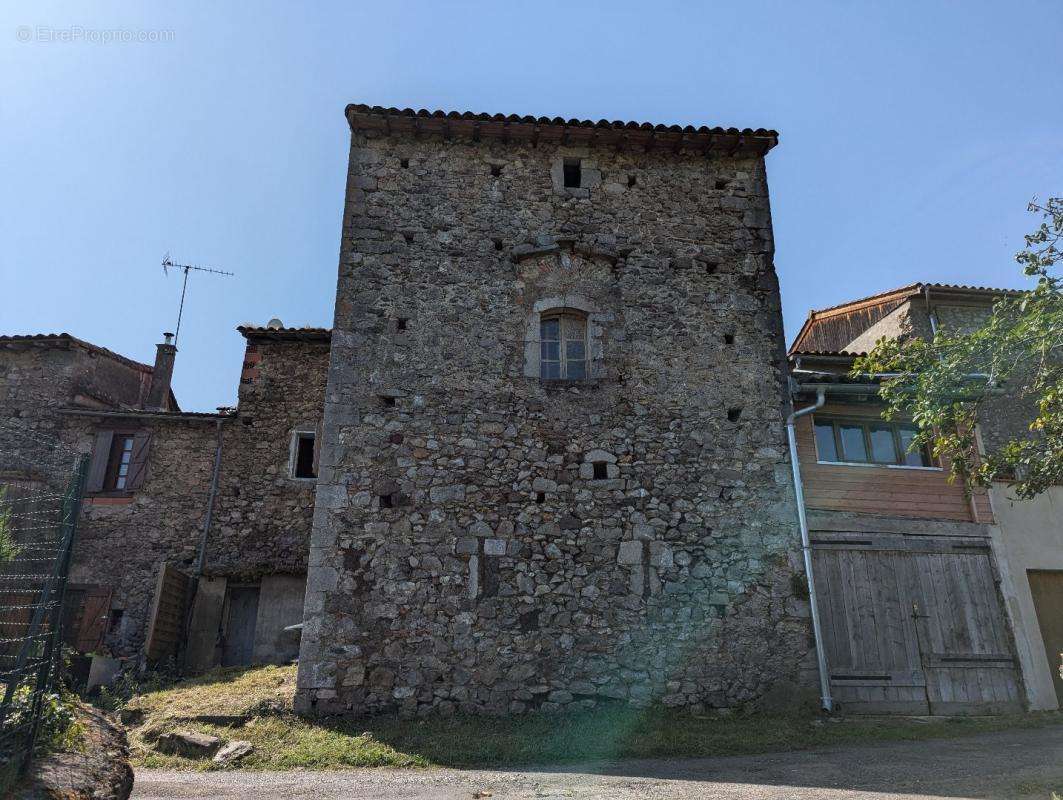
column 806, row 548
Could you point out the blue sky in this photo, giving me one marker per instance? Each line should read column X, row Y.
column 912, row 136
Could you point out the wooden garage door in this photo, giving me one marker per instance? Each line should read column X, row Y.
column 913, row 625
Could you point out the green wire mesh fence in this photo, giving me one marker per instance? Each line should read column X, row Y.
column 41, row 482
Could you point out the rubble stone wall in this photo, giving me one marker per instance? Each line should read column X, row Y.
column 262, row 517
column 488, row 542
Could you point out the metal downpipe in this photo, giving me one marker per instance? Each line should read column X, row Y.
column 806, row 548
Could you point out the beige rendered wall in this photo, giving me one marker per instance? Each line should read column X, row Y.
column 1028, row 535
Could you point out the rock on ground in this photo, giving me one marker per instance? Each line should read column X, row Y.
column 100, row 772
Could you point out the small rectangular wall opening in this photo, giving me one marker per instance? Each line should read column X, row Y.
column 303, row 455
column 573, row 173
column 601, row 470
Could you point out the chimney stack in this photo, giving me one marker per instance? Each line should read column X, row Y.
column 159, row 390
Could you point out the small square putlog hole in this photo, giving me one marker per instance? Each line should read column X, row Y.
column 496, row 170
column 386, row 401
column 733, row 414
column 728, row 338
column 540, row 497
column 387, row 500
column 601, row 470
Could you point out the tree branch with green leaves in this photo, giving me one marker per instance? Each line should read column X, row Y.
column 949, row 384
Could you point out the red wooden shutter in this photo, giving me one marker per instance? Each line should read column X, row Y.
column 138, row 463
column 101, row 454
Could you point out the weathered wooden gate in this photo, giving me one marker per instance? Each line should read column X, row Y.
column 914, row 624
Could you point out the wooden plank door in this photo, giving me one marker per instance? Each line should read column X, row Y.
column 166, row 620
column 95, row 614
column 914, row 625
column 240, row 626
column 871, row 648
column 1046, row 586
column 963, row 637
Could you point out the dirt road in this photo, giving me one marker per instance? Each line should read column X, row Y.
column 1017, row 765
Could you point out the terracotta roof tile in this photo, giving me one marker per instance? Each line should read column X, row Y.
column 517, row 126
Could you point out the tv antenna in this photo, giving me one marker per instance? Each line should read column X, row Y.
column 167, row 264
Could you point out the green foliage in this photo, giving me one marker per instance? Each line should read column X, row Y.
column 8, row 548
column 129, row 685
column 58, row 728
column 948, row 384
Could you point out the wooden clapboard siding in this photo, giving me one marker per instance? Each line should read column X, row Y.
column 881, row 490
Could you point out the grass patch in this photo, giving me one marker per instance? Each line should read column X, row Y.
column 255, row 705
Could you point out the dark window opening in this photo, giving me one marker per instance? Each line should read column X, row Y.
column 387, row 402
column 304, row 456
column 400, row 324
column 710, row 268
column 729, row 338
column 630, row 181
column 498, row 244
column 720, row 185
column 573, row 173
column 404, row 163
column 601, row 471
column 496, row 170
column 116, row 619
column 733, row 414
column 387, row 501
column 540, row 497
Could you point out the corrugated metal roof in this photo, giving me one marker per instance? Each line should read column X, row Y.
column 65, row 340
column 361, row 116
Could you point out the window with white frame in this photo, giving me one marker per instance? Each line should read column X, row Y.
column 860, row 441
column 563, row 346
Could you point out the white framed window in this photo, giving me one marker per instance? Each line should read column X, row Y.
column 302, row 458
column 563, row 345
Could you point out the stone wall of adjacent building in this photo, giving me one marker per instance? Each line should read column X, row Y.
column 467, row 553
column 39, row 376
column 265, row 514
column 1003, row 418
column 123, row 539
column 262, row 516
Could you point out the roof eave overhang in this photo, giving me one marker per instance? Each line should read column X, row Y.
column 544, row 130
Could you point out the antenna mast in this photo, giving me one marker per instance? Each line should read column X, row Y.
column 167, row 264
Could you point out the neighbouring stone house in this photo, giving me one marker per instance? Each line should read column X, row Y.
column 143, row 559
column 935, row 598
column 554, row 467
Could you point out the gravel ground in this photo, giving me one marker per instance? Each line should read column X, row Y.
column 1015, row 764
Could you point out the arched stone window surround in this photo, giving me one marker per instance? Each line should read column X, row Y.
column 572, row 305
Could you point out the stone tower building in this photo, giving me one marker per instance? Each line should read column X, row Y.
column 553, row 469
